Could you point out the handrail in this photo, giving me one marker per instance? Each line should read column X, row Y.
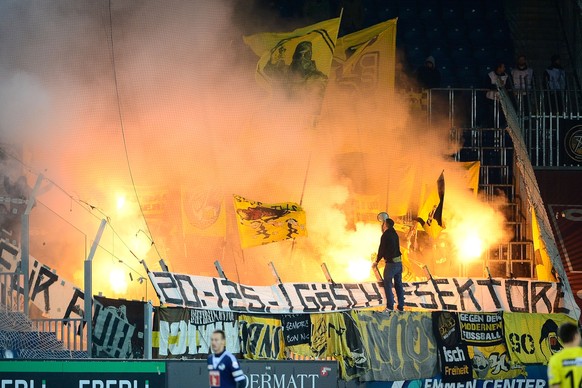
column 70, row 331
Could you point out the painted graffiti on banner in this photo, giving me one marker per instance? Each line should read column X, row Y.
column 448, row 294
column 180, row 332
column 455, row 363
column 296, row 329
column 399, row 346
column 494, row 362
column 481, row 329
column 118, row 328
column 261, row 337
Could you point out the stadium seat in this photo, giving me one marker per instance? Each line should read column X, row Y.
column 456, row 33
column 413, row 34
column 439, row 52
column 428, row 11
column 451, row 11
column 473, row 10
column 478, row 33
column 484, row 54
column 460, row 52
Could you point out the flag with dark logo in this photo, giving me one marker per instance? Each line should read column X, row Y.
column 261, row 223
column 453, row 353
column 296, row 61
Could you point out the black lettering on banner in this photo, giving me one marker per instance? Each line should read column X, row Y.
column 349, row 287
column 10, row 249
column 260, row 340
column 558, row 308
column 192, row 292
column 232, row 296
column 217, row 292
column 39, row 286
column 523, row 285
column 75, row 306
column 171, row 285
column 522, row 344
column 245, row 291
column 431, row 306
column 286, row 296
column 375, row 294
column 442, row 294
column 325, row 300
column 408, row 291
column 340, row 297
column 491, row 283
column 542, row 294
column 468, row 288
column 299, row 291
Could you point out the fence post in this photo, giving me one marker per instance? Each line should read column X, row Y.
column 88, row 292
column 148, row 323
column 25, row 243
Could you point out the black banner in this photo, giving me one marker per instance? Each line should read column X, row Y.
column 455, row 363
column 481, row 329
column 118, row 328
column 296, row 329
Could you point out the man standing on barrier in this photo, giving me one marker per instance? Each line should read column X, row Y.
column 565, row 367
column 223, row 368
column 389, row 250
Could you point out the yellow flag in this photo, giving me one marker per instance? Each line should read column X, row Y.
column 261, row 223
column 472, row 175
column 544, row 264
column 365, row 60
column 203, row 212
column 295, row 60
column 430, row 215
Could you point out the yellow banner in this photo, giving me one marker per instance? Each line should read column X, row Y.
column 203, row 212
column 472, row 175
column 261, row 338
column 364, row 61
column 494, row 362
column 533, row 338
column 544, row 264
column 430, row 215
column 261, row 223
column 298, row 59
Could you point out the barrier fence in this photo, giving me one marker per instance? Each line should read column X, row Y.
column 194, row 373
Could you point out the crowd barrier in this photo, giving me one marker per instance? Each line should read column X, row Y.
column 193, row 373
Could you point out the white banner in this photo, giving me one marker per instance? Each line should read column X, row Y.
column 55, row 297
column 452, row 294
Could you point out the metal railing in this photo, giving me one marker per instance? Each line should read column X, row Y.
column 10, row 299
column 71, row 331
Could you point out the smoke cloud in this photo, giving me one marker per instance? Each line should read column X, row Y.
column 178, row 77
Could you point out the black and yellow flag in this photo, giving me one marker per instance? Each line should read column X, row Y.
column 203, row 212
column 430, row 215
column 365, row 60
column 260, row 223
column 295, row 60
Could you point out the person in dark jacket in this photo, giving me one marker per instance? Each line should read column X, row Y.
column 389, row 250
column 427, row 75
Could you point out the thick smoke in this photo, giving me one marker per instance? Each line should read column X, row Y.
column 181, row 81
